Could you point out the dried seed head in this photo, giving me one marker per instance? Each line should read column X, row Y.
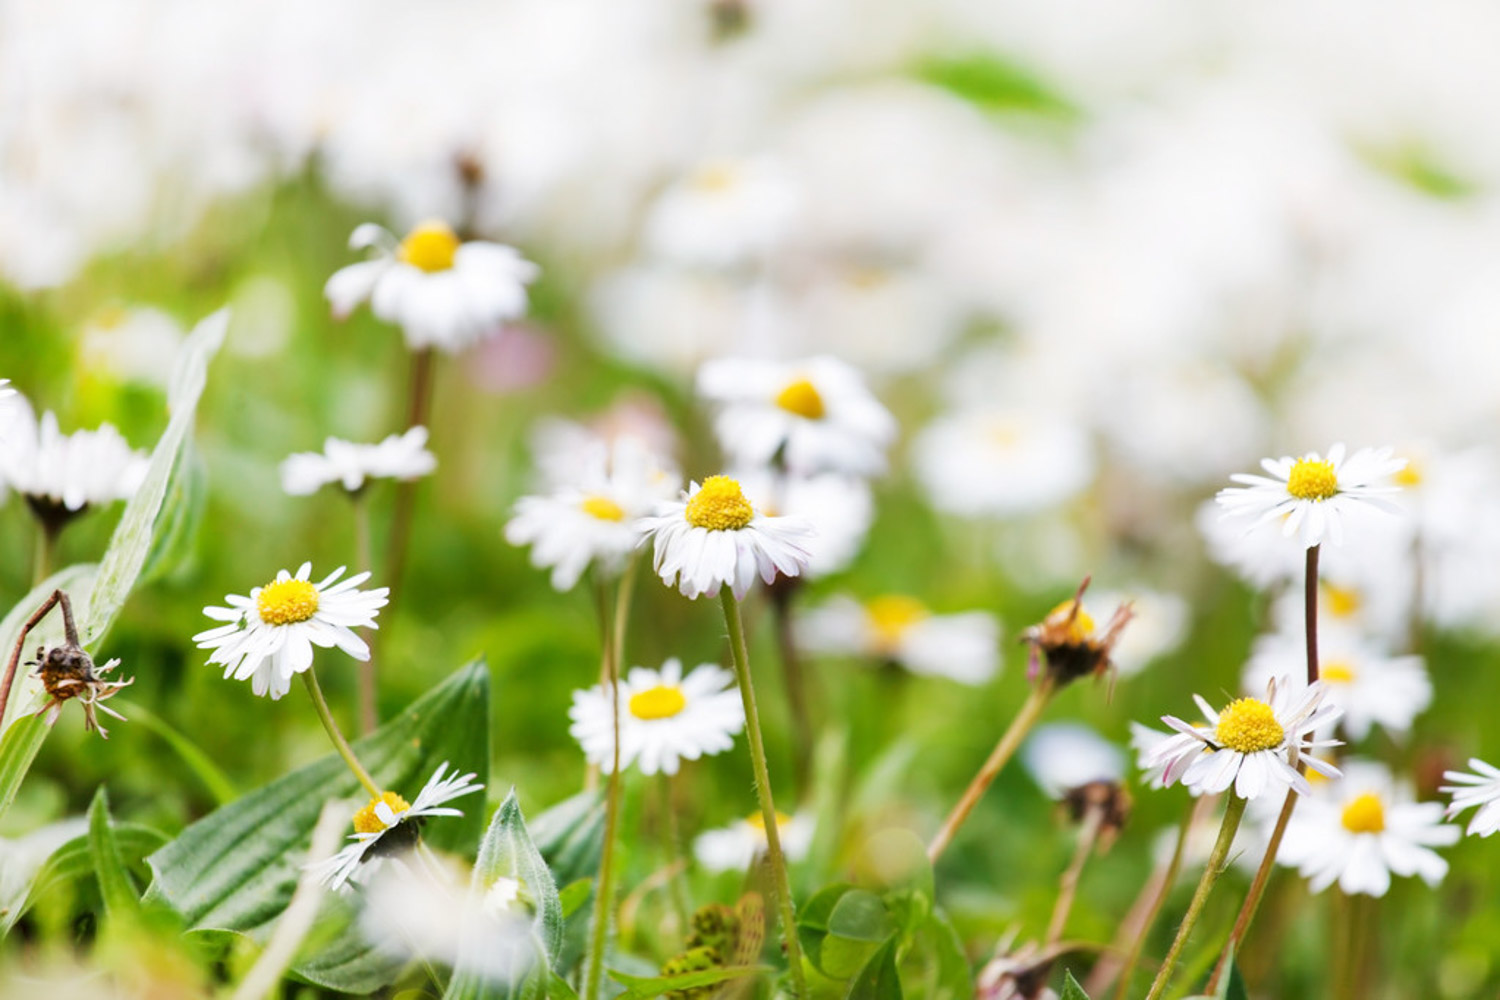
column 67, row 672
column 1069, row 642
column 1108, row 799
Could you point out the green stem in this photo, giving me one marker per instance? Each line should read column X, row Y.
column 1211, row 873
column 46, row 546
column 369, row 712
column 339, row 743
column 612, row 639
column 777, row 860
column 1159, row 898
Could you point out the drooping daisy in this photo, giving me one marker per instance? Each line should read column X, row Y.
column 665, row 718
column 399, row 456
column 390, row 824
column 1480, row 789
column 62, row 474
column 900, row 629
column 1315, row 494
column 443, row 293
column 712, row 537
column 735, row 847
column 814, row 415
column 1246, row 745
column 1362, row 829
column 270, row 634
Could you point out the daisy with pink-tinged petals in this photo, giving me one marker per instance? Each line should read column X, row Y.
column 1314, row 495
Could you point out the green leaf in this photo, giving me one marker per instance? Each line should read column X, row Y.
column 74, row 859
column 861, row 915
column 954, row 977
column 573, row 895
column 182, row 511
column 570, row 837
column 1235, row 988
column 645, row 987
column 18, row 748
column 1071, row 990
column 115, row 887
column 878, row 980
column 996, row 84
column 812, row 921
column 201, row 764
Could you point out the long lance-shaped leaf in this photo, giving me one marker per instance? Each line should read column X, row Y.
column 115, row 888
column 74, row 859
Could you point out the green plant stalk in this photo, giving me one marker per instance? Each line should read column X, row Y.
column 775, row 857
column 1211, row 873
column 339, row 743
column 612, row 639
column 369, row 711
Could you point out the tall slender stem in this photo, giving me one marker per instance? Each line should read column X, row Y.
column 793, row 676
column 47, row 533
column 369, row 712
column 419, row 411
column 611, row 640
column 1310, row 613
column 774, row 856
column 1088, row 834
column 1211, row 873
column 676, row 857
column 339, row 743
column 1004, row 750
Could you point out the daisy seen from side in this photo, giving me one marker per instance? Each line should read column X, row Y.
column 1481, row 788
column 1315, row 495
column 900, row 629
column 735, row 847
column 60, row 475
column 399, row 456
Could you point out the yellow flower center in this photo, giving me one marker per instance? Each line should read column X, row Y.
column 111, row 317
column 366, row 821
column 1248, row 725
column 1081, row 627
column 660, row 702
column 719, row 505
column 802, row 398
column 286, row 602
column 714, row 178
column 758, row 820
column 1409, row 476
column 1338, row 672
column 1312, row 480
column 1365, row 814
column 1342, row 601
column 602, row 508
column 430, row 247
column 891, row 615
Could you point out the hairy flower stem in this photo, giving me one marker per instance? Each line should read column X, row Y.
column 1211, row 872
column 70, row 634
column 369, row 712
column 1088, row 835
column 793, row 675
column 332, row 728
column 776, row 860
column 1027, row 717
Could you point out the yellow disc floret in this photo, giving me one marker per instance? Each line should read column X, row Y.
column 429, row 247
column 1312, row 480
column 719, row 505
column 891, row 615
column 1365, row 814
column 758, row 820
column 1338, row 672
column 602, row 508
column 367, row 821
column 660, row 702
column 1079, row 628
column 286, row 602
column 1248, row 725
column 1410, row 475
column 802, row 398
column 1342, row 601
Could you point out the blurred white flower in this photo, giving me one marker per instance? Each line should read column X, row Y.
column 735, row 847
column 723, row 213
column 134, row 344
column 839, row 508
column 1480, row 789
column 1157, row 626
column 1258, row 554
column 997, row 463
column 665, row 718
column 1311, row 496
column 1064, row 755
column 64, row 473
column 567, row 452
column 443, row 293
column 399, row 456
column 961, row 647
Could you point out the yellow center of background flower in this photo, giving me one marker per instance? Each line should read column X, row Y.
column 286, row 602
column 714, row 178
column 1248, row 725
column 1342, row 601
column 891, row 615
column 1310, row 480
column 1338, row 672
column 1365, row 814
column 1079, row 629
column 365, row 821
column 1409, row 476
column 758, row 820
column 719, row 505
column 603, row 508
column 430, row 247
column 802, row 398
column 660, row 702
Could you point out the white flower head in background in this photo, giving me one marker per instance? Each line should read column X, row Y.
column 132, row 344
column 1157, row 626
column 1480, row 788
column 812, row 416
column 442, row 292
column 665, row 718
column 735, row 847
column 713, row 538
column 1315, row 495
column 987, row 463
column 62, row 474
column 900, row 629
column 1064, row 755
column 723, row 213
column 270, row 634
column 5, row 390
column 1246, row 745
column 399, row 456
column 840, row 509
column 390, row 824
column 1359, row 831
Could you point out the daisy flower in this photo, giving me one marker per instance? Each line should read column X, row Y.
column 1062, row 756
column 5, row 390
column 1158, row 623
column 735, row 847
column 442, row 292
column 390, row 824
column 999, row 463
column 813, row 416
column 722, row 213
column 1480, row 789
column 1359, row 831
column 839, row 508
column 1247, row 744
column 902, row 630
column 399, row 456
column 270, row 634
column 1314, row 495
column 62, row 474
column 712, row 537
column 665, row 718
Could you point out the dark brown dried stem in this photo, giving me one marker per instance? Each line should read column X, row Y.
column 70, row 634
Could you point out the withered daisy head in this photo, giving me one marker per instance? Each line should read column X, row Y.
column 1069, row 642
column 67, row 672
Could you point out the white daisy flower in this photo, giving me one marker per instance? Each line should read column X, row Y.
column 61, row 474
column 990, row 463
column 814, row 415
column 443, row 293
column 1157, row 626
column 1247, row 744
column 1314, row 495
column 839, row 508
column 5, row 390
column 390, row 823
column 735, row 847
column 132, row 344
column 271, row 632
column 1360, row 830
column 1064, row 755
column 665, row 718
column 712, row 537
column 399, row 456
column 1480, row 789
column 723, row 213
column 900, row 629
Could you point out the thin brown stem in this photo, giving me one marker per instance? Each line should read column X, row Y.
column 1310, row 613
column 1088, row 835
column 1027, row 717
column 70, row 633
column 369, row 711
